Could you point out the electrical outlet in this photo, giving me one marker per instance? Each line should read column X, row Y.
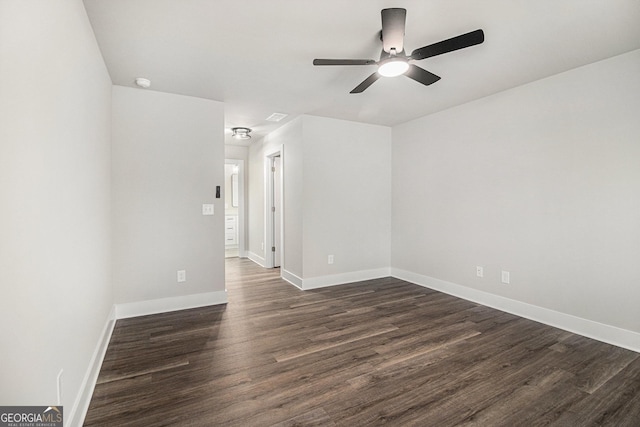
column 207, row 209
column 330, row 259
column 505, row 277
column 182, row 276
column 479, row 271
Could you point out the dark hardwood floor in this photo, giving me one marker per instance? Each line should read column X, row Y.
column 370, row 353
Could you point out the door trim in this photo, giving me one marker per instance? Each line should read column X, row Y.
column 277, row 151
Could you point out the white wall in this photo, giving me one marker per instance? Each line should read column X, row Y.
column 55, row 107
column 346, row 196
column 337, row 199
column 542, row 181
column 292, row 139
column 255, row 203
column 167, row 158
column 289, row 138
column 236, row 152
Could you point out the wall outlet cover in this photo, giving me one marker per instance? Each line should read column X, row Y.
column 207, row 209
column 182, row 276
column 505, row 277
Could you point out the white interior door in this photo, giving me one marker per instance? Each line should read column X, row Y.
column 274, row 255
column 277, row 215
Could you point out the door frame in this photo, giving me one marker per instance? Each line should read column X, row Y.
column 242, row 250
column 268, row 197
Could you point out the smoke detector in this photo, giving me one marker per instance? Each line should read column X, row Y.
column 143, row 83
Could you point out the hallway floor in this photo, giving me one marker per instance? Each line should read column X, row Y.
column 377, row 352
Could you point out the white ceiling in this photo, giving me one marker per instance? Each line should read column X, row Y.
column 256, row 55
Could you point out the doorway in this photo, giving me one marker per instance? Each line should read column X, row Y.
column 234, row 205
column 274, row 230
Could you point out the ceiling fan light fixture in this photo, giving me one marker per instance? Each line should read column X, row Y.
column 240, row 133
column 393, row 67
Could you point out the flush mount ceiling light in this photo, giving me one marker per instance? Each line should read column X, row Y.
column 241, row 133
column 143, row 83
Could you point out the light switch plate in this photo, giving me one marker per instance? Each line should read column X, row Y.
column 207, row 209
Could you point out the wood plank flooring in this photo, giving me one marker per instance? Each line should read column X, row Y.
column 370, row 353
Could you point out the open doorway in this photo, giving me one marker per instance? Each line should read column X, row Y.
column 234, row 208
column 274, row 230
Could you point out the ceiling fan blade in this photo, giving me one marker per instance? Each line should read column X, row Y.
column 421, row 75
column 366, row 83
column 393, row 23
column 449, row 45
column 343, row 62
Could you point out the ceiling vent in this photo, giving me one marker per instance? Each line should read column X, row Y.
column 276, row 117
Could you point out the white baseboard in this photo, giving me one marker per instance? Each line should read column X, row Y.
column 122, row 311
column 342, row 278
column 81, row 405
column 163, row 305
column 257, row 259
column 291, row 278
column 588, row 328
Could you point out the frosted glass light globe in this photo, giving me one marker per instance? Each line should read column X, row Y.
column 393, row 67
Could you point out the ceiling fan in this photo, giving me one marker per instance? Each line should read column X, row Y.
column 393, row 59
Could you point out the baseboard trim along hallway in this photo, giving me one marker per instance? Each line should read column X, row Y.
column 79, row 411
column 342, row 278
column 585, row 327
column 163, row 305
column 125, row 311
